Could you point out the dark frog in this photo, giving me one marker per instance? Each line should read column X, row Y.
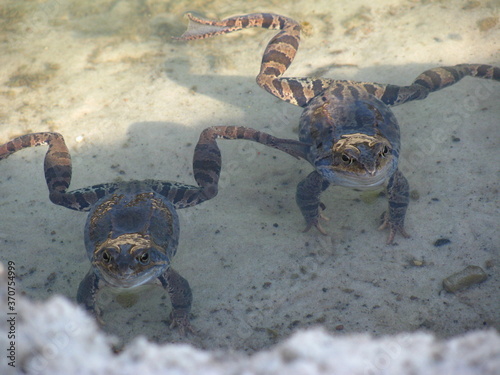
column 350, row 133
column 132, row 230
column 131, row 237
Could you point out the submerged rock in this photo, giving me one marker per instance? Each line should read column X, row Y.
column 470, row 275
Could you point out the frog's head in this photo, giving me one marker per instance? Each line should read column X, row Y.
column 358, row 161
column 131, row 238
column 355, row 141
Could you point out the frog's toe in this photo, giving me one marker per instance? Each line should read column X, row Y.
column 100, row 321
column 317, row 226
column 392, row 234
column 96, row 313
column 182, row 323
column 394, row 228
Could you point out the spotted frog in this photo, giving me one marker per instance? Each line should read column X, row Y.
column 352, row 137
column 132, row 230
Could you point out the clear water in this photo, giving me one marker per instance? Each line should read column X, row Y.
column 131, row 103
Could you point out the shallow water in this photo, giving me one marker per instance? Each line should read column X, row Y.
column 131, row 103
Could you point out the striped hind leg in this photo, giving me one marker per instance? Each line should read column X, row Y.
column 57, row 164
column 207, row 157
column 58, row 170
column 278, row 55
column 431, row 80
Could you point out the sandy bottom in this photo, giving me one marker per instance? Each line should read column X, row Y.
column 131, row 103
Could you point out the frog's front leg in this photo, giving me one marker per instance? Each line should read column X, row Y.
column 308, row 199
column 398, row 195
column 181, row 298
column 87, row 295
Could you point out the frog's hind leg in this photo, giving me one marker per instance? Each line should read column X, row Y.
column 207, row 164
column 429, row 81
column 58, row 170
column 202, row 28
column 57, row 164
column 207, row 157
column 278, row 55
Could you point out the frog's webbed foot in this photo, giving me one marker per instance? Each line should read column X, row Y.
column 201, row 28
column 315, row 222
column 317, row 225
column 394, row 228
column 180, row 319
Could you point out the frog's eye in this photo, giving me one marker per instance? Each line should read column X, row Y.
column 384, row 152
column 143, row 258
column 346, row 159
column 106, row 257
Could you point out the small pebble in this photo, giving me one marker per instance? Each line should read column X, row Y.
column 455, row 36
column 441, row 242
column 470, row 275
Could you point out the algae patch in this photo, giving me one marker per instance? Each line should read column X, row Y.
column 34, row 79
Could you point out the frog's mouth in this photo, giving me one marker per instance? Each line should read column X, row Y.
column 130, row 279
column 357, row 179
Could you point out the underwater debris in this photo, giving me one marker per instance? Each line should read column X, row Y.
column 469, row 276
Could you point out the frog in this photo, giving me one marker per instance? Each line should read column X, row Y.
column 352, row 135
column 132, row 230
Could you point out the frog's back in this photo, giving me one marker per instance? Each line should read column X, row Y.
column 338, row 112
column 133, row 209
